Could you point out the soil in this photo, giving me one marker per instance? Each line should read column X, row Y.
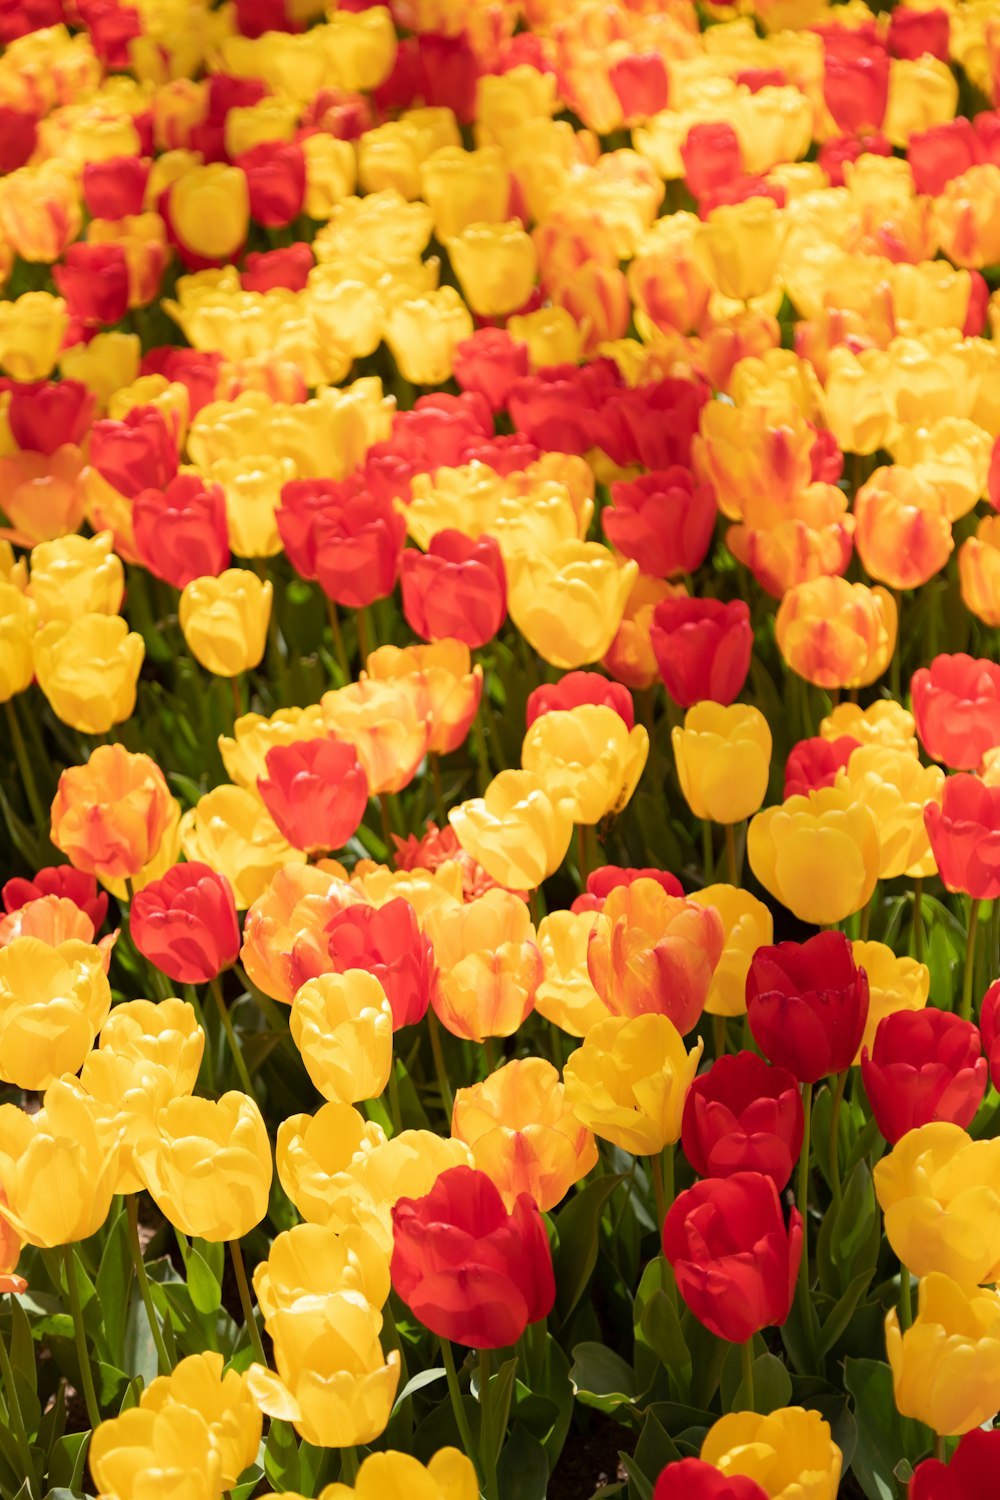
column 590, row 1459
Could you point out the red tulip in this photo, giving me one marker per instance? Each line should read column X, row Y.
column 138, row 453
column 59, row 880
column 45, row 414
column 815, row 762
column 338, row 533
column 387, row 941
column 702, row 648
column 457, row 588
column 442, row 426
column 558, row 407
column 602, row 881
column 652, row 424
column 743, row 1116
column 840, row 149
column 756, row 79
column 276, row 181
column 925, row 1065
column 115, row 188
column 691, row 1479
column 712, row 157
column 112, row 26
column 578, row 688
column 940, row 153
column 94, row 281
column 186, row 923
column 964, row 831
column 971, row 1474
column 807, row 1004
column 917, row 33
column 287, row 267
column 465, row 1267
column 856, row 89
column 956, row 703
column 989, row 1027
column 664, row 520
column 642, row 84
column 18, row 136
column 315, row 791
column 181, row 532
column 255, row 17
column 733, row 1258
column 196, row 370
column 489, row 363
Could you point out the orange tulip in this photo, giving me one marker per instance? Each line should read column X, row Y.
column 903, row 530
column 835, row 633
column 283, row 932
column 442, row 684
column 488, row 965
column 109, row 815
column 388, row 726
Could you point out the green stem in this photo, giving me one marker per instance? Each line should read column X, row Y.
column 164, row 1358
column 395, row 1109
column 707, row 851
column 339, row 650
column 80, row 1335
column 364, row 636
column 487, row 1446
column 970, row 960
column 41, row 817
column 834, row 1145
column 457, row 1404
column 905, row 1298
column 731, row 864
column 918, row 921
column 348, row 1465
column 383, row 810
column 719, row 1035
column 482, row 755
column 16, row 1416
column 439, row 809
column 439, row 1065
column 939, row 1447
column 248, row 1313
column 234, row 1046
column 866, row 918
column 490, row 1053
column 659, row 1196
column 581, row 854
column 895, row 670
column 237, row 687
column 746, row 1360
column 667, row 1168
column 802, row 1203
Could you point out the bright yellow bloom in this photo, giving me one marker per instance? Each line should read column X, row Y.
column 342, row 1025
column 946, row 1366
column 58, row 1168
column 629, row 1080
column 75, row 575
column 53, row 1002
column 748, row 925
column 18, row 623
column 231, row 830
column 895, row 982
column 568, row 602
column 588, row 756
column 88, row 668
column 897, row 788
column 225, row 620
column 313, row 1260
column 723, row 758
column 449, row 1475
column 790, row 1453
column 940, row 1193
column 566, row 995
column 516, row 831
column 819, row 855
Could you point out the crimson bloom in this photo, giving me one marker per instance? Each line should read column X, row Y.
column 734, row 1260
column 59, row 880
column 602, row 881
column 576, row 689
column 712, row 156
column 457, row 588
column 743, row 1116
column 489, row 362
column 387, row 941
column 94, row 280
column 18, row 136
column 815, row 762
column 702, row 648
column 465, row 1267
column 807, row 1004
column 197, row 370
column 338, row 533
column 970, row 1475
column 138, row 453
column 642, row 84
column 956, row 703
column 664, row 520
column 186, row 923
column 989, row 1027
column 691, row 1479
column 181, row 532
column 289, row 267
column 316, row 792
column 45, row 414
column 942, row 152
column 856, row 89
column 115, row 188
column 925, row 1065
column 914, row 33
column 964, row 830
column 652, row 424
column 276, row 181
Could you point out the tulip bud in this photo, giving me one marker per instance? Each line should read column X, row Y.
column 723, row 758
column 315, row 791
column 186, row 923
column 946, row 1365
column 342, row 1025
column 88, row 669
column 76, row 576
column 110, row 815
column 225, row 620
column 702, row 648
column 629, row 1080
column 207, row 1165
column 925, row 1066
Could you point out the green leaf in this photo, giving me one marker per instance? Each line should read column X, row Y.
column 499, row 1396
column 523, row 1470
column 576, row 1252
column 114, row 1285
column 203, row 1284
column 281, row 1457
column 67, row 1460
column 654, row 1450
column 884, row 1437
column 601, row 1378
column 418, row 1382
column 660, row 1328
column 838, row 1319
column 772, row 1385
column 22, row 1348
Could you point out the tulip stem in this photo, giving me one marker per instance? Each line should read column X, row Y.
column 339, row 649
column 457, row 1404
column 80, row 1335
column 439, row 808
column 746, row 1360
column 719, row 1035
column 234, row 1045
column 364, row 635
column 667, row 1171
column 165, row 1360
column 659, row 1195
column 383, row 808
column 439, row 1067
column 802, row 1203
column 838, row 1099
column 970, row 960
column 482, row 755
column 905, row 1298
column 865, row 920
column 581, row 854
column 237, row 687
column 731, row 863
column 707, row 851
column 918, row 921
column 16, row 1416
column 248, row 1313
column 488, row 1448
column 939, row 1448
column 348, row 1465
column 42, row 819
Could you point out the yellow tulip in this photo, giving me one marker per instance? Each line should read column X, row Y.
column 790, row 1453
column 53, row 1002
column 818, row 855
column 449, row 1475
column 516, row 831
column 313, row 1152
column 313, row 1260
column 629, row 1080
column 895, row 982
column 342, row 1026
column 566, row 995
column 723, row 758
column 587, row 756
column 946, row 1366
column 63, row 1147
column 165, row 1034
column 225, row 620
column 222, row 1400
column 568, row 603
column 897, row 788
column 88, row 669
column 75, row 575
column 940, row 1193
column 496, row 265
column 230, row 829
column 422, row 331
column 18, row 623
column 210, row 210
column 748, row 925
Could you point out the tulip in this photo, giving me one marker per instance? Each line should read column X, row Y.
column 965, row 836
column 32, row 327
column 654, row 953
column 43, row 415
column 515, row 830
column 807, row 1004
column 44, row 497
column 664, row 520
column 856, row 90
column 313, row 1152
column 495, row 265
column 747, row 925
column 739, row 246
column 422, row 333
column 88, row 670
column 74, row 576
column 607, row 878
column 819, row 854
column 897, row 789
column 566, row 996
column 989, row 1025
column 956, row 703
column 569, row 603
column 597, row 296
column 366, row 1192
column 712, row 157
column 735, row 1262
column 964, row 217
column 577, row 689
column 342, row 1025
column 40, row 211
column 186, row 924
column 973, row 1463
column 387, row 942
column 244, row 755
column 63, row 882
column 315, row 791
column 175, row 1444
column 163, row 1036
column 630, row 658
column 344, row 536
column 449, row 1475
column 126, row 1094
column 464, row 188
column 902, row 528
column 629, row 1080
column 284, row 936
column 18, row 623
column 94, row 280
column 884, row 722
column 110, row 815
column 925, row 1066
column 231, row 830
column 65, row 1143
column 946, row 1366
column 692, row 1479
column 223, row 1400
column 489, row 363
column 53, row 1002
column 311, row 1260
column 895, row 983
column 276, row 181
column 457, row 589
column 743, row 1116
column 137, row 453
column 942, row 1210
column 702, row 648
column 487, row 965
column 816, row 762
column 207, row 1165
column 389, row 726
column 585, row 757
column 837, row 634
column 115, row 188
column 723, row 757
column 790, row 1452
column 225, row 620
column 55, row 920
column 207, row 212
column 442, row 681
column 521, row 1129
column 979, row 571
column 482, row 1274
column 180, row 532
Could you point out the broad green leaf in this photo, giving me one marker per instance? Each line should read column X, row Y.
column 523, row 1470
column 576, row 1253
column 601, row 1378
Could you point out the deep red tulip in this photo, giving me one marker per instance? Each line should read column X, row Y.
column 856, row 90
column 181, row 532
column 964, row 831
column 733, row 1258
column 691, row 1479
column 466, row 1268
column 925, row 1065
column 558, row 407
column 642, row 84
column 489, row 362
column 447, row 72
column 989, row 1028
column 196, row 370
column 276, row 181
column 577, row 688
column 653, row 424
column 287, row 267
column 815, row 762
column 256, row 17
column 507, row 453
column 93, row 278
column 956, row 703
column 602, row 881
column 664, row 520
column 702, row 648
column 387, row 941
column 186, row 923
column 712, row 156
column 942, row 152
column 59, row 880
column 44, row 414
column 139, row 453
column 338, row 533
column 836, row 152
column 457, row 588
column 115, row 188
column 19, row 17
column 444, row 425
column 18, row 137
column 743, row 1116
column 316, row 792
column 807, row 1004
column 916, row 33
column 112, row 26
column 971, row 1474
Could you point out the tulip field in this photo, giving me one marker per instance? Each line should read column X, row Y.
column 499, row 750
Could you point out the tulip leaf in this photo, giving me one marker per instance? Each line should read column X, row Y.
column 840, row 1315
column 281, row 1457
column 417, row 1383
column 523, row 1469
column 660, row 1328
column 654, row 1450
column 499, row 1393
column 203, row 1284
column 601, row 1378
column 772, row 1386
column 114, row 1284
column 67, row 1460
column 22, row 1349
column 884, row 1437
column 576, row 1253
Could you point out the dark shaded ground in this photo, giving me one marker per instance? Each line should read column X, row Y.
column 590, row 1459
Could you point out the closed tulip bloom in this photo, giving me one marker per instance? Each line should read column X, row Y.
column 747, row 925
column 884, row 722
column 895, row 983
column 837, row 634
column 979, row 571
column 664, row 520
column 408, row 1166
column 312, row 1152
column 629, row 1080
column 54, row 919
column 939, row 1191
column 223, row 1400
column 734, row 1260
column 723, row 758
column 208, row 214
column 925, row 1066
column 74, row 576
column 489, row 363
column 739, row 247
column 457, row 588
column 18, row 623
column 88, row 669
column 387, row 942
column 180, row 532
column 32, row 327
column 165, row 1035
column 207, row 1165
column 790, row 1452
column 965, row 217
column 807, row 1004
column 63, row 882
column 692, row 1479
column 389, row 726
column 342, row 1026
column 902, row 528
column 310, row 1260
column 743, row 1116
column 62, row 1143
column 422, row 332
column 965, row 836
column 244, row 754
column 186, row 923
column 516, row 831
column 109, row 815
column 989, row 1025
column 231, row 830
column 487, row 965
column 569, row 602
column 566, row 995
column 344, row 536
column 956, row 703
column 973, row 1463
column 856, row 90
column 702, row 648
column 495, row 265
column 586, row 756
column 443, row 682
column 125, row 1094
column 576, row 689
column 284, row 931
column 653, row 952
column 53, row 1002
column 468, row 1269
column 449, row 1475
column 175, row 1445
column 316, row 792
column 946, row 1366
column 225, row 619
column 897, row 788
column 607, row 878
column 523, row 1133
column 818, row 854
